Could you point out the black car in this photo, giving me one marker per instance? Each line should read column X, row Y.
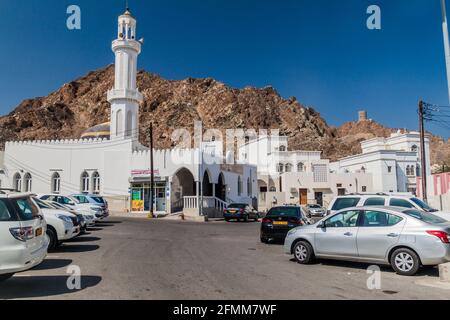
column 240, row 211
column 279, row 220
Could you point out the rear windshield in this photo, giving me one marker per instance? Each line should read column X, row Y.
column 5, row 212
column 98, row 200
column 26, row 208
column 283, row 212
column 423, row 205
column 425, row 216
column 343, row 203
column 237, row 205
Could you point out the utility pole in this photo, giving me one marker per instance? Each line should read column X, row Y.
column 422, row 151
column 152, row 172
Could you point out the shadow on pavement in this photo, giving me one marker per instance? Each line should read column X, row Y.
column 95, row 229
column 111, row 222
column 76, row 248
column 103, row 225
column 84, row 239
column 49, row 264
column 41, row 286
column 424, row 271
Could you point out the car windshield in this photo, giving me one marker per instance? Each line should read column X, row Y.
column 343, row 203
column 424, row 216
column 423, row 205
column 26, row 208
column 237, row 206
column 42, row 204
column 283, row 212
column 99, row 200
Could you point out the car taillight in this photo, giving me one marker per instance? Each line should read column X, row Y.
column 22, row 234
column 443, row 236
column 225, row 210
column 265, row 220
column 241, row 210
column 297, row 222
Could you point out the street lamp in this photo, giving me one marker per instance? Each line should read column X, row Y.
column 446, row 43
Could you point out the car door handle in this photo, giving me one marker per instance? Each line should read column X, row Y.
column 392, row 235
column 348, row 234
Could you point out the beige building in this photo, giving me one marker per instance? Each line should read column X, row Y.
column 297, row 177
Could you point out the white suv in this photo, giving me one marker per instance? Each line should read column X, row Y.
column 95, row 210
column 23, row 241
column 383, row 199
column 62, row 225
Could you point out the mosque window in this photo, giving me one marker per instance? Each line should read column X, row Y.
column 28, row 182
column 18, row 182
column 85, row 182
column 56, row 183
column 96, row 182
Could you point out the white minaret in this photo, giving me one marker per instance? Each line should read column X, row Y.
column 125, row 97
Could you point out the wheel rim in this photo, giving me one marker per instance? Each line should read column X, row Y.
column 301, row 253
column 404, row 261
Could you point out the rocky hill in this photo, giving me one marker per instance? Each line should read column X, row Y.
column 78, row 105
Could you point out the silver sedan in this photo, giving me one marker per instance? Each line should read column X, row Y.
column 403, row 238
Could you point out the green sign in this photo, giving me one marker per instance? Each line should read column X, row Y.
column 136, row 195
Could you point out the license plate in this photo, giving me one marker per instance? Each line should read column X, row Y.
column 232, row 211
column 280, row 223
column 38, row 232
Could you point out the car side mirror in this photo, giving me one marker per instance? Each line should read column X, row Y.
column 322, row 225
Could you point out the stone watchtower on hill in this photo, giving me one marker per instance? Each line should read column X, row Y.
column 125, row 96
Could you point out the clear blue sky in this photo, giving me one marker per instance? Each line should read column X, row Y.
column 317, row 50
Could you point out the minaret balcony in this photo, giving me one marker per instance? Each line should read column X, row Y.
column 126, row 44
column 128, row 94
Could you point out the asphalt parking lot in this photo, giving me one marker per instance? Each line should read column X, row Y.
column 126, row 258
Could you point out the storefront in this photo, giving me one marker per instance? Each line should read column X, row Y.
column 140, row 193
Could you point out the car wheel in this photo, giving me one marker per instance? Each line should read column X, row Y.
column 264, row 240
column 227, row 220
column 405, row 262
column 52, row 239
column 246, row 219
column 303, row 252
column 4, row 277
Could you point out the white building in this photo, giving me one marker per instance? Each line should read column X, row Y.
column 394, row 162
column 297, row 177
column 117, row 166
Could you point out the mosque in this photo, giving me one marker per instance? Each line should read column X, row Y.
column 109, row 160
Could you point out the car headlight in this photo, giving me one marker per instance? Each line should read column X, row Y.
column 90, row 217
column 292, row 231
column 64, row 218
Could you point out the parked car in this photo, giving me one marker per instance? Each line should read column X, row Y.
column 95, row 210
column 240, row 212
column 93, row 199
column 279, row 220
column 88, row 219
column 80, row 217
column 315, row 210
column 383, row 199
column 402, row 237
column 23, row 244
column 61, row 225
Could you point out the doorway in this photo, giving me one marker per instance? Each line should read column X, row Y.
column 319, row 198
column 303, row 197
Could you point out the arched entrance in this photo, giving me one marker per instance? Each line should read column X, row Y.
column 221, row 188
column 183, row 185
column 207, row 185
